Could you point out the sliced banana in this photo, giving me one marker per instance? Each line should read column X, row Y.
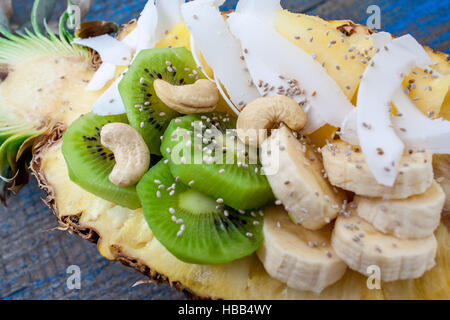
column 301, row 258
column 414, row 217
column 346, row 167
column 441, row 166
column 360, row 245
column 296, row 175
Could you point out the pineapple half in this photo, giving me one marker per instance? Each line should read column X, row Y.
column 45, row 76
column 37, row 70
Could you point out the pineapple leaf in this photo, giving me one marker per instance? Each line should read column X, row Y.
column 42, row 12
column 15, row 48
column 64, row 32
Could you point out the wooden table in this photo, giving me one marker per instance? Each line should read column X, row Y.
column 33, row 263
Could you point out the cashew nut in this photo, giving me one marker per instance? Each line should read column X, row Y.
column 200, row 97
column 266, row 113
column 130, row 151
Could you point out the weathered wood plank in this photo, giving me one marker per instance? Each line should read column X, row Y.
column 33, row 264
column 427, row 20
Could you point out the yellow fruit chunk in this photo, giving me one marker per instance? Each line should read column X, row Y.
column 48, row 87
column 445, row 111
column 328, row 45
column 320, row 136
column 427, row 91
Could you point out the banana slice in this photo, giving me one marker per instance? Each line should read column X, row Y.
column 441, row 165
column 296, row 175
column 346, row 167
column 301, row 258
column 360, row 245
column 415, row 217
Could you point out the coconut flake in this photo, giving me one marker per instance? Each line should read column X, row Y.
column 273, row 57
column 111, row 50
column 220, row 49
column 196, row 54
column 110, row 102
column 169, row 14
column 104, row 74
column 415, row 129
column 411, row 45
column 157, row 18
column 225, row 96
column 146, row 27
column 348, row 131
column 380, row 82
column 418, row 131
column 132, row 39
column 263, row 9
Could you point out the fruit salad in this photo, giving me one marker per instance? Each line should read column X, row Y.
column 253, row 154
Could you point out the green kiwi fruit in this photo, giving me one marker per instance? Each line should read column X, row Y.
column 193, row 226
column 206, row 154
column 90, row 164
column 146, row 113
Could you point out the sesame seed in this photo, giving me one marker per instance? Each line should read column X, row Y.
column 249, row 234
column 172, row 210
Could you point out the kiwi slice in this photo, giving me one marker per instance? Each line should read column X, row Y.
column 206, row 154
column 146, row 113
column 193, row 226
column 90, row 164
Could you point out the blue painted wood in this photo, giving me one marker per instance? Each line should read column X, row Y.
column 427, row 21
column 33, row 264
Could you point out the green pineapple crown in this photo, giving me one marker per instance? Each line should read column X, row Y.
column 41, row 40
